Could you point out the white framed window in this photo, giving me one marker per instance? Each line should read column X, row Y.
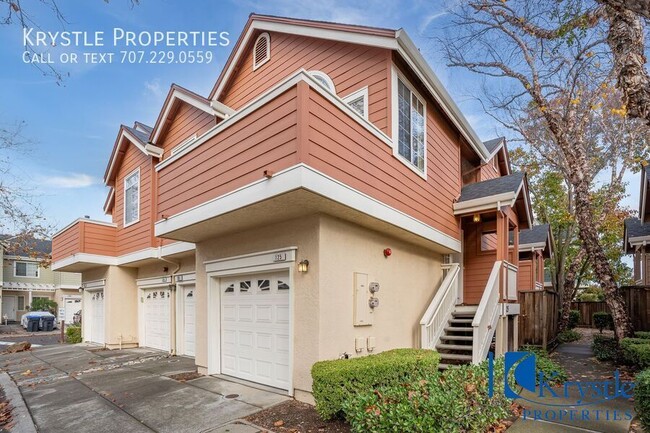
column 358, row 101
column 132, row 198
column 26, row 269
column 324, row 80
column 21, row 303
column 261, row 50
column 409, row 125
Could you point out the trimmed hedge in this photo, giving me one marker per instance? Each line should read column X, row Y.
column 642, row 398
column 547, row 365
column 339, row 380
column 568, row 335
column 642, row 334
column 574, row 319
column 636, row 351
column 73, row 334
column 604, row 348
column 455, row 401
column 602, row 320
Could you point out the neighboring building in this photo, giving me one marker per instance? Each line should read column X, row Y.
column 636, row 234
column 25, row 278
column 327, row 198
column 535, row 245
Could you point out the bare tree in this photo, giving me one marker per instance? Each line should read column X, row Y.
column 551, row 79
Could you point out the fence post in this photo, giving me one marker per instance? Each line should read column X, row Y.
column 62, row 331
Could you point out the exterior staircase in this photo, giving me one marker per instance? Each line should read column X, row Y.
column 455, row 344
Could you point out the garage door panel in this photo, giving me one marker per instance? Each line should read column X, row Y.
column 255, row 340
column 157, row 319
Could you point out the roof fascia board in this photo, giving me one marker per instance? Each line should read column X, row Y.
column 108, row 205
column 484, row 203
column 147, row 149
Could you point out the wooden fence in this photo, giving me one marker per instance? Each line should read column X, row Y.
column 538, row 320
column 637, row 303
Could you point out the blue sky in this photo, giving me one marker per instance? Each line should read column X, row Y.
column 73, row 126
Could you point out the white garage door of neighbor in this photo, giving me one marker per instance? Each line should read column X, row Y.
column 156, row 319
column 255, row 328
column 71, row 307
column 96, row 318
column 189, row 321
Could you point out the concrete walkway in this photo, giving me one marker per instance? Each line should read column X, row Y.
column 74, row 388
column 610, row 416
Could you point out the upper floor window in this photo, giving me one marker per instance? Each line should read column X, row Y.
column 26, row 269
column 411, row 125
column 358, row 101
column 132, row 198
column 261, row 50
column 324, row 80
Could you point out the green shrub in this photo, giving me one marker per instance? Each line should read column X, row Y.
column 44, row 304
column 642, row 398
column 454, row 401
column 73, row 334
column 574, row 319
column 636, row 351
column 568, row 335
column 642, row 334
column 602, row 320
column 547, row 365
column 605, row 348
column 339, row 380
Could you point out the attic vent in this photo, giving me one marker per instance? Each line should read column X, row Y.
column 262, row 50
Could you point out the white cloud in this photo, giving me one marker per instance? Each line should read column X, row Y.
column 153, row 88
column 69, row 181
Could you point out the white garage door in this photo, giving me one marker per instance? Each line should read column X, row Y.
column 255, row 328
column 97, row 317
column 189, row 321
column 156, row 319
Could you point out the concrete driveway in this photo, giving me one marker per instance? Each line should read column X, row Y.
column 77, row 389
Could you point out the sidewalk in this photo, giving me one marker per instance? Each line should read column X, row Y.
column 580, row 364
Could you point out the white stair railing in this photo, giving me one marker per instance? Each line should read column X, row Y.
column 487, row 315
column 439, row 311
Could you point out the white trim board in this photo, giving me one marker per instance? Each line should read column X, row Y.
column 301, row 176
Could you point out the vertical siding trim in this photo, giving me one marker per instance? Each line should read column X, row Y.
column 302, row 122
column 82, row 243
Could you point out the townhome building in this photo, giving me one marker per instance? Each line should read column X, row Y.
column 327, row 199
column 26, row 276
column 636, row 234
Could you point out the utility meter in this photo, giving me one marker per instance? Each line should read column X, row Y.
column 373, row 302
column 374, row 287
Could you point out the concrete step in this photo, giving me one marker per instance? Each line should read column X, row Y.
column 457, row 337
column 454, row 347
column 456, row 357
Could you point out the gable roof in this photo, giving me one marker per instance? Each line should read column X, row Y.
column 178, row 94
column 635, row 233
column 25, row 247
column 396, row 40
column 127, row 135
column 500, row 185
column 493, row 145
column 538, row 237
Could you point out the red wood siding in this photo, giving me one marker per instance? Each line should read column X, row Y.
column 525, row 275
column 350, row 66
column 84, row 237
column 478, row 265
column 186, row 122
column 237, row 156
column 489, row 170
column 136, row 236
column 340, row 147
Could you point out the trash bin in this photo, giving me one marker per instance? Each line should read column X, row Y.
column 48, row 323
column 32, row 324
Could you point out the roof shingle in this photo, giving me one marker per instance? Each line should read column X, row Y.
column 500, row 185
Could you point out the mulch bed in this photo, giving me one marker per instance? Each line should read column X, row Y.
column 295, row 417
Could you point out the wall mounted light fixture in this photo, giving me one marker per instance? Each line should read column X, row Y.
column 477, row 218
column 303, row 266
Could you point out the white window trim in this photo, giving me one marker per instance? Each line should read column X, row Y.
column 363, row 92
column 38, row 269
column 395, row 75
column 257, row 64
column 325, row 77
column 137, row 220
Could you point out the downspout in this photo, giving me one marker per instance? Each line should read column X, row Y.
column 172, row 288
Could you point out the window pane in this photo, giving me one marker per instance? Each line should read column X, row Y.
column 358, row 105
column 404, row 108
column 131, row 198
column 417, row 132
column 21, row 269
column 21, row 302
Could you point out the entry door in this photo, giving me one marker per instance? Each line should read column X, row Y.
column 255, row 328
column 9, row 304
column 157, row 319
column 97, row 317
column 189, row 321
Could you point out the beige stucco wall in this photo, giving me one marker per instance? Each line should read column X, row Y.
column 157, row 269
column 301, row 233
column 323, row 297
column 121, row 307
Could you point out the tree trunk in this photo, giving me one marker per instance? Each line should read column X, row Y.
column 625, row 39
column 569, row 289
column 596, row 255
